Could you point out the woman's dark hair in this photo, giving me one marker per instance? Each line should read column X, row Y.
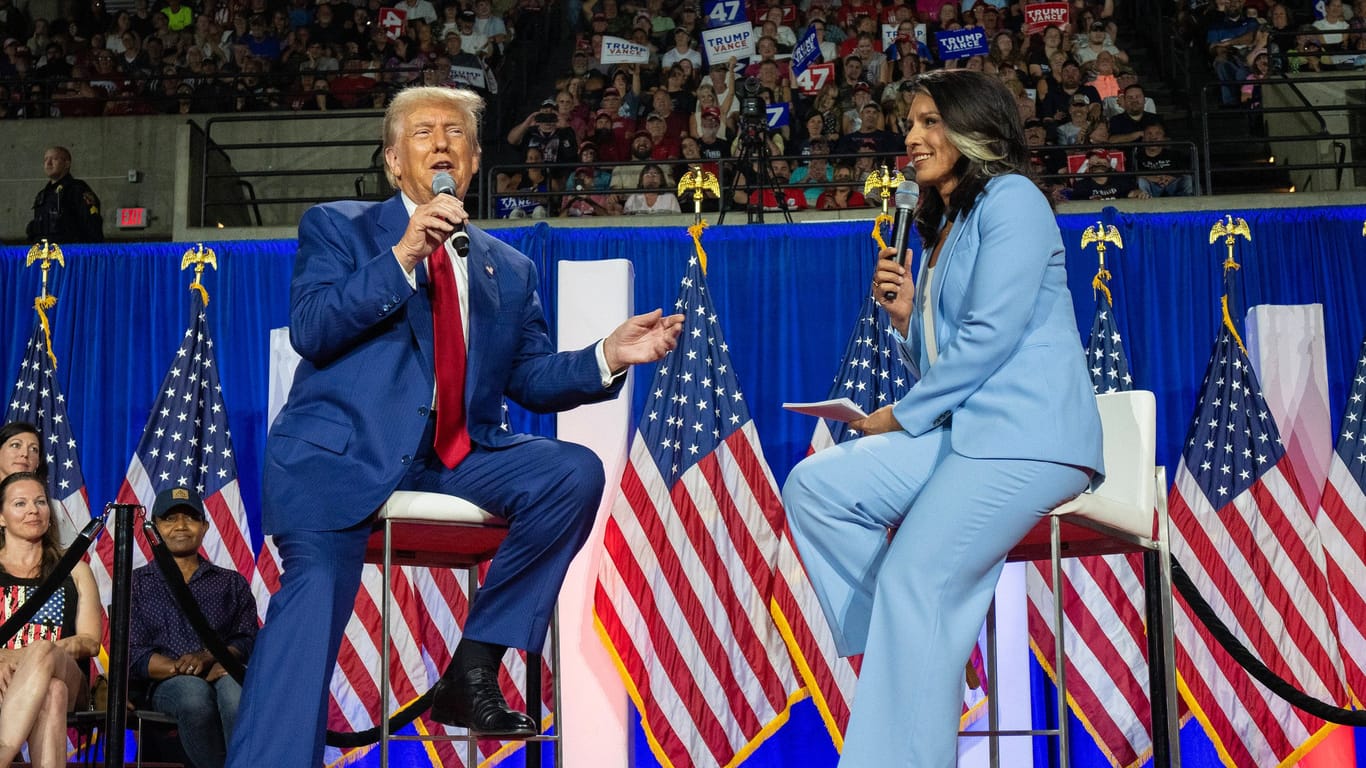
column 981, row 121
column 14, row 428
column 52, row 544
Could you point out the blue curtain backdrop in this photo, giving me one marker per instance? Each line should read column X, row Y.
column 787, row 296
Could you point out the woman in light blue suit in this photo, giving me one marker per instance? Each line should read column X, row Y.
column 1000, row 427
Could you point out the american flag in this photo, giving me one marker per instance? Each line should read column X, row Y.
column 37, row 399
column 186, row 443
column 1241, row 531
column 872, row 375
column 1104, row 640
column 1342, row 527
column 683, row 596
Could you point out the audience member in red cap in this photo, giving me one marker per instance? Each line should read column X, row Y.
column 706, row 100
column 665, row 145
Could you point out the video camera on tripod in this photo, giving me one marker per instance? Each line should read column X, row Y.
column 753, row 115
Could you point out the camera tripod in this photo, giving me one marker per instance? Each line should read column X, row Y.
column 753, row 162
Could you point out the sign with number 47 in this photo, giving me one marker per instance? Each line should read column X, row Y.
column 814, row 78
column 723, row 12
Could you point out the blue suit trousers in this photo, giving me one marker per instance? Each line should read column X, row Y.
column 912, row 600
column 549, row 492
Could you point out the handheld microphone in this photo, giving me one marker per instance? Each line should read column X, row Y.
column 907, row 195
column 443, row 184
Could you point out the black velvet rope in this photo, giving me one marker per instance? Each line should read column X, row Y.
column 170, row 573
column 1254, row 666
column 39, row 596
column 180, row 591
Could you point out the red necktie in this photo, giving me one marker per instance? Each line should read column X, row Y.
column 452, row 441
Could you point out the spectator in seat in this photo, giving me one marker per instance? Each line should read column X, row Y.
column 182, row 677
column 843, row 193
column 1057, row 105
column 666, row 147
column 1078, row 124
column 815, row 173
column 583, row 197
column 353, row 89
column 626, row 176
column 178, row 16
column 417, row 9
column 651, row 195
column 682, row 49
column 1129, row 125
column 706, row 99
column 1332, row 28
column 41, row 679
column 1098, row 183
column 675, row 121
column 602, row 175
column 870, row 133
column 1098, row 41
column 1228, row 37
column 1166, row 169
column 709, row 141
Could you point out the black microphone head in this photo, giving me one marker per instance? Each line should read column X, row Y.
column 907, row 194
column 443, row 184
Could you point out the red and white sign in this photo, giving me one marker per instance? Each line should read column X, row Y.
column 814, row 78
column 1040, row 16
column 393, row 21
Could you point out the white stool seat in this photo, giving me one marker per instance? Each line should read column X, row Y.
column 1125, row 511
column 437, row 530
column 425, row 506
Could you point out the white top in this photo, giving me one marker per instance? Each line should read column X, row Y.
column 922, row 300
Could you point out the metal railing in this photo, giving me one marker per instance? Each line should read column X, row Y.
column 1272, row 131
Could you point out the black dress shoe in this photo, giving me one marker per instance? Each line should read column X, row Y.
column 473, row 701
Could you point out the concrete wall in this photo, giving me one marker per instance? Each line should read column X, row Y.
column 105, row 150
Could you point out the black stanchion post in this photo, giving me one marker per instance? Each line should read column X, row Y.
column 1158, row 674
column 116, row 719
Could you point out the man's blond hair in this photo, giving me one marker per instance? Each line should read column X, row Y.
column 461, row 100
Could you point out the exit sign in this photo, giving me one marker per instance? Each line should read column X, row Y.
column 132, row 218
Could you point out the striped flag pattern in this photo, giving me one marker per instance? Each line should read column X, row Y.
column 683, row 596
column 1241, row 531
column 1104, row 639
column 37, row 399
column 1342, row 527
column 187, row 443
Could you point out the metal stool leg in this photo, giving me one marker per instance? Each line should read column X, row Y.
column 385, row 605
column 1059, row 649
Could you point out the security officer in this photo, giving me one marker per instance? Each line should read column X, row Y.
column 67, row 210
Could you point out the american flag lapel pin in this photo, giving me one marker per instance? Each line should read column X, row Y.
column 489, row 269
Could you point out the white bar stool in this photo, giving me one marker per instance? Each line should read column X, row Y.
column 435, row 530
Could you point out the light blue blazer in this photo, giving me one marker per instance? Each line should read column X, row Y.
column 1010, row 371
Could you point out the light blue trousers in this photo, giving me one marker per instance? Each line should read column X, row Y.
column 913, row 603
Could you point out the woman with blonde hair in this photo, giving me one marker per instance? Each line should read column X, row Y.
column 41, row 673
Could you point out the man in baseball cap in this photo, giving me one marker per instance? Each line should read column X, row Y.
column 167, row 659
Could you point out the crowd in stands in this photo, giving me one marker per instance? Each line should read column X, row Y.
column 635, row 128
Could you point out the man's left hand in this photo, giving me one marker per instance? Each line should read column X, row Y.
column 642, row 339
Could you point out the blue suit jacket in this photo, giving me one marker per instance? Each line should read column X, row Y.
column 362, row 393
column 1011, row 371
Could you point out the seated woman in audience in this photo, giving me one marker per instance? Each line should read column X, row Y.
column 1041, row 56
column 40, row 679
column 843, row 193
column 651, row 198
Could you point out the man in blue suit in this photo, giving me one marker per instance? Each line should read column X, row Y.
column 380, row 308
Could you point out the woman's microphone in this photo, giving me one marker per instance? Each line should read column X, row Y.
column 907, row 195
column 443, row 184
